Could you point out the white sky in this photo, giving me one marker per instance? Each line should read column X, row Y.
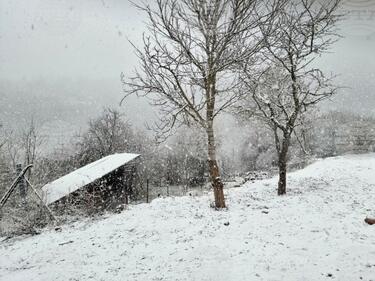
column 71, row 38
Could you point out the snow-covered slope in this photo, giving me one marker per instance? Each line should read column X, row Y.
column 316, row 232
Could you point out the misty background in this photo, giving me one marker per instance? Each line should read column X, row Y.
column 61, row 60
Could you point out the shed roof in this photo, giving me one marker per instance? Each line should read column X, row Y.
column 83, row 176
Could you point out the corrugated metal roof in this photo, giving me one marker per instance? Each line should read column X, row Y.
column 83, row 176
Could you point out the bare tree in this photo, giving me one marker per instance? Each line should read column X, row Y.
column 23, row 146
column 291, row 84
column 31, row 140
column 189, row 63
column 2, row 136
column 107, row 134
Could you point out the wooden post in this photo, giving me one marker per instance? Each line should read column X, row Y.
column 168, row 190
column 6, row 196
column 147, row 183
column 21, row 184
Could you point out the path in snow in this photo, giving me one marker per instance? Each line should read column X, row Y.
column 316, row 232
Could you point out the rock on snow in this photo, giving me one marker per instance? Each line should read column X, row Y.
column 316, row 232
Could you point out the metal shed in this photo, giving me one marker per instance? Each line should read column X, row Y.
column 85, row 176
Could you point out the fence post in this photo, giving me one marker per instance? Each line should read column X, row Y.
column 21, row 184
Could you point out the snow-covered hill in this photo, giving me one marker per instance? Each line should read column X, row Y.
column 316, row 232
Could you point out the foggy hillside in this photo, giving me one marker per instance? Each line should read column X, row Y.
column 63, row 107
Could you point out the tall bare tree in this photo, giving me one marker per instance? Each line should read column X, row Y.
column 189, row 63
column 291, row 84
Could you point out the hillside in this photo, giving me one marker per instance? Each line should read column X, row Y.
column 316, row 232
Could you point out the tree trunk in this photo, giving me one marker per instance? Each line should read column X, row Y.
column 214, row 172
column 281, row 190
column 213, row 167
column 217, row 184
column 370, row 221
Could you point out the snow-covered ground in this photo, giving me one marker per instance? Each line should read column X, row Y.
column 316, row 232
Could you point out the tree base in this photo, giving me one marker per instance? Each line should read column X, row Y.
column 370, row 221
column 217, row 185
column 213, row 206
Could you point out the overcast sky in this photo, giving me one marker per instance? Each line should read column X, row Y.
column 67, row 38
column 49, row 40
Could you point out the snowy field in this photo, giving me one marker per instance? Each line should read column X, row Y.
column 316, row 232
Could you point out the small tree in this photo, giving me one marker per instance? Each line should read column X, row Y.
column 189, row 64
column 107, row 134
column 31, row 142
column 5, row 169
column 2, row 137
column 23, row 147
column 291, row 84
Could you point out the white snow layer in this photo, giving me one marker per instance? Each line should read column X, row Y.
column 316, row 232
column 84, row 176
